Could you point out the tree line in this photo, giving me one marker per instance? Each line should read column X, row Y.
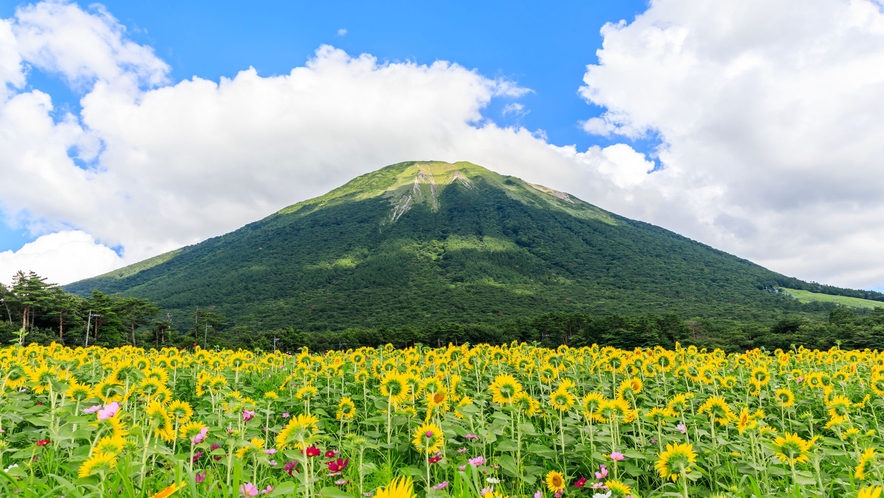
column 34, row 311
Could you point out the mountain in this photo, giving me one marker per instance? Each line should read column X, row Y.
column 428, row 242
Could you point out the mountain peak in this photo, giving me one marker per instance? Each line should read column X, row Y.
column 408, row 184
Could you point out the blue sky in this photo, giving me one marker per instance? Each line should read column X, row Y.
column 544, row 48
column 751, row 126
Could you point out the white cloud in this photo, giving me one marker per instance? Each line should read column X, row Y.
column 61, row 257
column 179, row 163
column 84, row 47
column 342, row 32
column 752, row 123
column 770, row 116
column 11, row 74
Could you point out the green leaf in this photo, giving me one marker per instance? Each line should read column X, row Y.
column 505, row 444
column 541, row 450
column 509, row 466
column 332, row 492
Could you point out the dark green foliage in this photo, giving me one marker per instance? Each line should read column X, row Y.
column 486, row 252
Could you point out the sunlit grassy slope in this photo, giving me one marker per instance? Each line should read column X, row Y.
column 853, row 302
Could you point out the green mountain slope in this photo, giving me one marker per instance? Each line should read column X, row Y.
column 415, row 243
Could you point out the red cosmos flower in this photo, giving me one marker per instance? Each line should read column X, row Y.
column 580, row 482
column 331, row 453
column 42, row 442
column 313, row 451
column 338, row 465
column 435, row 458
column 215, row 447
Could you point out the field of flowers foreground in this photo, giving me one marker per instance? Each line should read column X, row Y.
column 514, row 420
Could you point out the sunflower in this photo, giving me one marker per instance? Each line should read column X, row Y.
column 616, row 408
column 307, row 392
column 728, row 381
column 632, row 386
column 785, row 397
column 40, row 376
column 760, row 376
column 190, row 429
column 865, row 461
column 869, row 492
column 395, row 387
column 555, row 481
column 169, row 490
column 562, row 400
column 680, row 402
column 839, row 406
column 118, row 427
column 180, row 411
column 504, row 389
column 77, row 391
column 618, row 489
column 361, row 376
column 110, row 444
column 108, row 390
column 675, row 461
column 658, row 415
column 437, row 400
column 428, row 438
column 298, row 429
column 98, row 462
column 877, row 384
column 591, row 404
column 718, row 409
column 745, row 421
column 791, row 449
column 526, row 404
column 253, row 446
column 161, row 420
column 346, row 409
column 401, row 487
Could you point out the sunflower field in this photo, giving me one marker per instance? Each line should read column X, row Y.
column 461, row 421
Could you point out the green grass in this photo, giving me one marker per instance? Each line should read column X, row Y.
column 853, row 302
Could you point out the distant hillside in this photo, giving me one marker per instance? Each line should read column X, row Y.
column 423, row 242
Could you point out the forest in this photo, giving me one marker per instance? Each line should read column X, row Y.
column 34, row 311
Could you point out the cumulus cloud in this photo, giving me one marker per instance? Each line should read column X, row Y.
column 63, row 257
column 768, row 134
column 151, row 166
column 769, row 118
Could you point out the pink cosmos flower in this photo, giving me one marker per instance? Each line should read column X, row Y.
column 479, row 460
column 248, row 415
column 442, row 485
column 91, row 409
column 602, row 473
column 682, row 428
column 248, row 489
column 538, row 494
column 108, row 411
column 266, row 490
column 617, row 456
column 199, row 477
column 201, row 436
